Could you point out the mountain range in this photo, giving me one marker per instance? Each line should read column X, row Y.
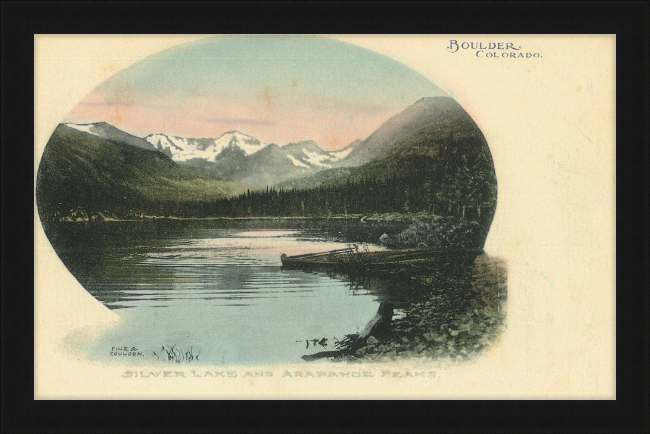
column 428, row 136
column 431, row 155
column 182, row 149
column 238, row 157
column 233, row 156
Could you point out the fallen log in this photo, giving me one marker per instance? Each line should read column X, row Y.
column 349, row 260
column 378, row 327
column 314, row 255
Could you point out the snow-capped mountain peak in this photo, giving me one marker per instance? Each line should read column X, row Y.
column 302, row 155
column 340, row 155
column 248, row 144
column 161, row 141
column 109, row 132
column 86, row 128
column 308, row 154
column 184, row 149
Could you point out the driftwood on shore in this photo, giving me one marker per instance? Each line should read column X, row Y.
column 379, row 261
column 378, row 328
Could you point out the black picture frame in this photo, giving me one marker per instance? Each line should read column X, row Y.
column 21, row 20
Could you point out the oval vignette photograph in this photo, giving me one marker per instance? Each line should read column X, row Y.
column 272, row 200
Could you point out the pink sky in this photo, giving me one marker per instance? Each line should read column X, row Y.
column 270, row 117
column 279, row 89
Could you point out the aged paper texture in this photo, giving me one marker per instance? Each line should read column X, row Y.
column 545, row 106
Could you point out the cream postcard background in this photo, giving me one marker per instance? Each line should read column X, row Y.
column 550, row 124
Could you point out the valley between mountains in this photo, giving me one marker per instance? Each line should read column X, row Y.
column 430, row 159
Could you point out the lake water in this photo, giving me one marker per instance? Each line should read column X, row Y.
column 216, row 293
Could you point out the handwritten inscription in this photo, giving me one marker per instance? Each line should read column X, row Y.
column 492, row 50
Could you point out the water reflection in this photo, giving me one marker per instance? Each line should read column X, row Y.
column 453, row 309
column 217, row 288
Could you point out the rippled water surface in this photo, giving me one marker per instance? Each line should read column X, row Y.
column 215, row 291
column 219, row 291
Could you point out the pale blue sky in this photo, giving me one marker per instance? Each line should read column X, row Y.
column 276, row 88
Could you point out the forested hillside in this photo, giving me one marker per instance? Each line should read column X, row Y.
column 432, row 158
column 85, row 176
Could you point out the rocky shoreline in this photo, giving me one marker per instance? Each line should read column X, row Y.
column 449, row 325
